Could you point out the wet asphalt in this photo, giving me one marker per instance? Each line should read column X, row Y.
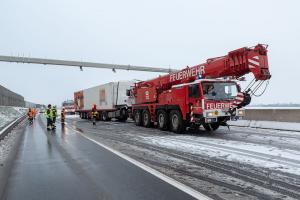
column 61, row 164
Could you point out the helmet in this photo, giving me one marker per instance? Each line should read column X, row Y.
column 49, row 105
column 54, row 106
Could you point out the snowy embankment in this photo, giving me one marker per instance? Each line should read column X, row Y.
column 9, row 114
column 285, row 126
column 266, row 156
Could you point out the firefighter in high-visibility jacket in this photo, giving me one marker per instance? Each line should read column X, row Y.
column 54, row 115
column 49, row 116
column 94, row 116
column 30, row 115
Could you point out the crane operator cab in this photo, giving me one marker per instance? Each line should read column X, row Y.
column 212, row 102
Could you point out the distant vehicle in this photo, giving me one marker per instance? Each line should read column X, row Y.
column 69, row 107
column 109, row 99
column 42, row 110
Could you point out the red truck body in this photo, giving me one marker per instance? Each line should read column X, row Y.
column 206, row 94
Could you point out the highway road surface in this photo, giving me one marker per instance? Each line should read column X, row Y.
column 240, row 163
column 63, row 164
column 115, row 160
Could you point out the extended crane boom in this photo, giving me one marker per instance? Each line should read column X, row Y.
column 235, row 64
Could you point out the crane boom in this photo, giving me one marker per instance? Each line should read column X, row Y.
column 44, row 61
column 235, row 64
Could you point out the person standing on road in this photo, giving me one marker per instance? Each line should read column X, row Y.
column 30, row 115
column 94, row 116
column 62, row 116
column 54, row 115
column 34, row 112
column 49, row 116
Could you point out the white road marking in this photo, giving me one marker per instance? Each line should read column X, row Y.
column 152, row 171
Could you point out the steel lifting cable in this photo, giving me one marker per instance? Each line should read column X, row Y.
column 250, row 85
column 257, row 86
column 258, row 95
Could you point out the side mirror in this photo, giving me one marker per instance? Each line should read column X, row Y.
column 128, row 93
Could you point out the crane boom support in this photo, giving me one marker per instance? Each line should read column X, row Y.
column 43, row 61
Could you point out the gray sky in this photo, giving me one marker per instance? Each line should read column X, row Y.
column 148, row 33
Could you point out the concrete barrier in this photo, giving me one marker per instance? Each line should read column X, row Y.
column 273, row 114
column 9, row 98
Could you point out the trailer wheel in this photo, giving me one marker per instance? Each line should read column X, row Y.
column 211, row 127
column 176, row 122
column 104, row 116
column 123, row 115
column 146, row 118
column 162, row 120
column 138, row 118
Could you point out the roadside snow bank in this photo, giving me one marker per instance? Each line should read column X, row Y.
column 9, row 114
column 286, row 126
column 253, row 154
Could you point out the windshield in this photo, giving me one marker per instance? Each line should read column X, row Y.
column 219, row 91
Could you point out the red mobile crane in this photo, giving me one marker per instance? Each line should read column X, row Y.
column 206, row 94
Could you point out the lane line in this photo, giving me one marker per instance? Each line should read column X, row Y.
column 150, row 170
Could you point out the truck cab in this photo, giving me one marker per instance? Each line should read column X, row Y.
column 208, row 102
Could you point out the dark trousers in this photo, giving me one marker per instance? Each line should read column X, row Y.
column 49, row 123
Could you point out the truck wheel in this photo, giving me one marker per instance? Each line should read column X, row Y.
column 211, row 127
column 176, row 122
column 162, row 120
column 146, row 119
column 138, row 118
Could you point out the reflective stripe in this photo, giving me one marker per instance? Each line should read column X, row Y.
column 253, row 62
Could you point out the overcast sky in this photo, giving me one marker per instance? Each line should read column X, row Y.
column 149, row 33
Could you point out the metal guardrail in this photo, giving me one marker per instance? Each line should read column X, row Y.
column 10, row 126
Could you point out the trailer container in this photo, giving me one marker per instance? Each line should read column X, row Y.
column 109, row 99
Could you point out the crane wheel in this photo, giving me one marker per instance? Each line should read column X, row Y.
column 176, row 122
column 146, row 118
column 138, row 118
column 162, row 120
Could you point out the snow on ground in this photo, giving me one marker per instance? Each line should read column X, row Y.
column 72, row 116
column 290, row 126
column 9, row 114
column 254, row 154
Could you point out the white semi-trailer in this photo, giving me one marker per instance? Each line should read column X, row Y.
column 109, row 99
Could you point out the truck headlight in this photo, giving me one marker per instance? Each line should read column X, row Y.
column 210, row 114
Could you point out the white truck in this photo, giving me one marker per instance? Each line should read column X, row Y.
column 110, row 100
